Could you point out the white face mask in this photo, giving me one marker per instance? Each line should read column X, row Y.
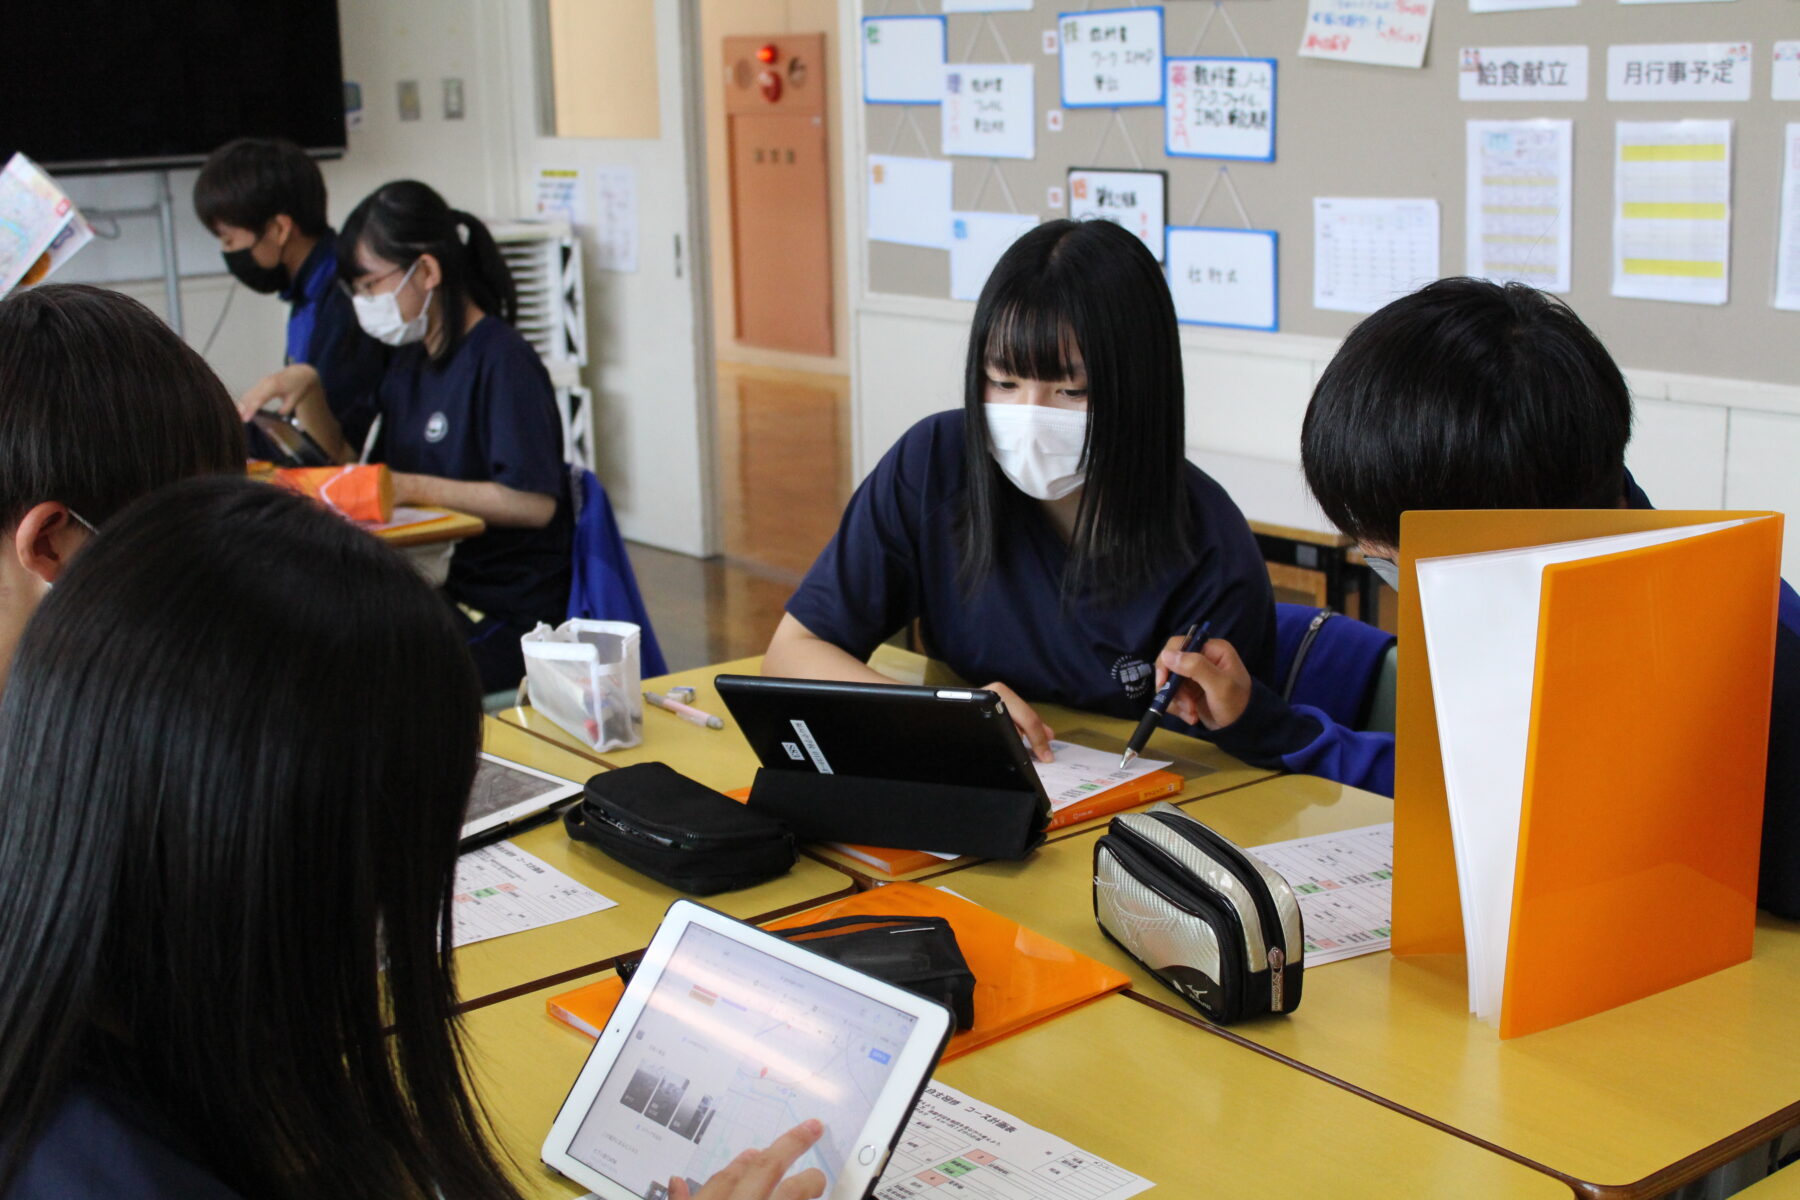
column 1038, row 448
column 380, row 316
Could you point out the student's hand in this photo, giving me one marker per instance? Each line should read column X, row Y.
column 757, row 1174
column 1031, row 727
column 289, row 387
column 1215, row 685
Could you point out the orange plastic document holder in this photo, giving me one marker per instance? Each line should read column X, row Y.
column 361, row 493
column 1641, row 813
column 1021, row 977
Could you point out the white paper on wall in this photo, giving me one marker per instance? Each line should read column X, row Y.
column 1136, row 200
column 1787, row 259
column 989, row 110
column 1368, row 251
column 1672, row 211
column 909, row 200
column 1224, row 277
column 615, row 217
column 1519, row 207
column 1533, row 73
column 1784, row 72
column 1685, row 71
column 1385, row 33
column 1220, row 108
column 977, row 240
column 1111, row 58
column 903, row 59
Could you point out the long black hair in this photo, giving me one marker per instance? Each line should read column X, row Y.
column 1091, row 287
column 101, row 402
column 237, row 741
column 402, row 220
column 1465, row 394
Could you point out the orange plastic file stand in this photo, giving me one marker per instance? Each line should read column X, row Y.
column 1427, row 904
column 1640, row 834
column 1021, row 978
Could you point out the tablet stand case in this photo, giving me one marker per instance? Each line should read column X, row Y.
column 950, row 819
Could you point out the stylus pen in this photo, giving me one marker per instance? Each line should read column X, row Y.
column 686, row 712
column 1159, row 704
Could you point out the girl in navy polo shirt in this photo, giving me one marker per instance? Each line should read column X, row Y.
column 468, row 416
column 1051, row 536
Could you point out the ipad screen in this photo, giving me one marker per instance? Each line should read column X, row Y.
column 734, row 1048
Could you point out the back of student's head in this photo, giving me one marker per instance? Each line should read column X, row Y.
column 1465, row 394
column 249, row 182
column 402, row 221
column 238, row 741
column 101, row 402
column 1088, row 288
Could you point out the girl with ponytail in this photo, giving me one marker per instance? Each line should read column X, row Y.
column 468, row 416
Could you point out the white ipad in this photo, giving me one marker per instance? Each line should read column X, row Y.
column 728, row 1037
column 506, row 793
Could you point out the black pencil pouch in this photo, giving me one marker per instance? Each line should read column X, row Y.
column 680, row 833
column 919, row 954
column 1210, row 920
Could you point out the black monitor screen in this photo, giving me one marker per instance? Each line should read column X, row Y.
column 101, row 84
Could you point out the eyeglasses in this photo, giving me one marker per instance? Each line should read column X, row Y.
column 81, row 520
column 362, row 286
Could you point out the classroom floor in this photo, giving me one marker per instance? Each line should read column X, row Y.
column 783, row 441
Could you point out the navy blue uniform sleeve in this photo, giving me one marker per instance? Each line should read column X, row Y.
column 521, row 432
column 863, row 587
column 350, row 365
column 1300, row 738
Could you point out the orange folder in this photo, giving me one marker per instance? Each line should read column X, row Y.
column 361, row 492
column 1640, row 817
column 1021, row 977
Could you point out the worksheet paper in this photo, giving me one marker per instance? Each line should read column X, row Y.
column 1220, row 108
column 1672, row 211
column 1224, row 277
column 1533, row 73
column 1367, row 252
column 957, row 1146
column 909, row 201
column 1345, row 885
column 1384, row 33
column 1787, row 258
column 977, row 240
column 501, row 889
column 1784, row 72
column 1480, row 616
column 1520, row 180
column 1136, row 200
column 1679, row 72
column 1113, row 58
column 988, row 110
column 1080, row 772
column 903, row 59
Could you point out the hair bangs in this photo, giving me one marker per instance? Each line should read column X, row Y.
column 1033, row 337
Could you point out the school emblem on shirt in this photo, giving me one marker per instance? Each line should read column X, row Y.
column 437, row 427
column 1134, row 675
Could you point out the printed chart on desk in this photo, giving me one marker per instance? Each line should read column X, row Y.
column 1345, row 885
column 733, row 1049
column 956, row 1145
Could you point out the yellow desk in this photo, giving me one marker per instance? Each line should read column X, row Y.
column 569, row 948
column 1783, row 1185
column 1200, row 1116
column 722, row 759
column 1626, row 1103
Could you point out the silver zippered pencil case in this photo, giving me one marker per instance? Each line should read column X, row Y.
column 1209, row 919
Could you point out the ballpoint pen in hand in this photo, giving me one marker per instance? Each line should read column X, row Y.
column 1141, row 735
